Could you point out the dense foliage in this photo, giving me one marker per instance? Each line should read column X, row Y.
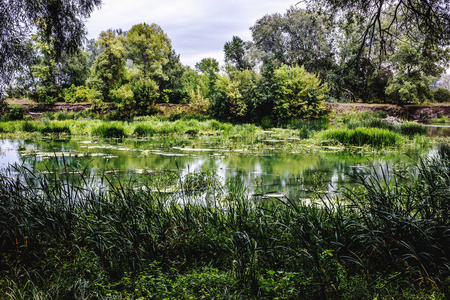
column 294, row 62
column 67, row 238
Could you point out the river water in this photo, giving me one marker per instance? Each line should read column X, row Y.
column 276, row 173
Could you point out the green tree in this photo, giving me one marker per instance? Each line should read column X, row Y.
column 209, row 67
column 172, row 88
column 235, row 54
column 268, row 90
column 60, row 21
column 109, row 67
column 413, row 75
column 149, row 48
column 46, row 71
column 298, row 37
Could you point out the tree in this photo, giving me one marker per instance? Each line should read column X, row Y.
column 298, row 37
column 149, row 48
column 385, row 18
column 61, row 21
column 209, row 67
column 413, row 75
column 109, row 67
column 235, row 54
column 172, row 88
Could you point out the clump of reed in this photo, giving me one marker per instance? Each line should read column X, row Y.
column 144, row 130
column 374, row 120
column 362, row 136
column 54, row 128
column 109, row 130
column 411, row 129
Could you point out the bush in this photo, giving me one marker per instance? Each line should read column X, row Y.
column 109, row 131
column 441, row 95
column 16, row 112
column 79, row 94
column 302, row 94
column 362, row 136
column 145, row 92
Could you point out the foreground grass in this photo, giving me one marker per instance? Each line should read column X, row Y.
column 69, row 236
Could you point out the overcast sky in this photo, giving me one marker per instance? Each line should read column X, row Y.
column 197, row 28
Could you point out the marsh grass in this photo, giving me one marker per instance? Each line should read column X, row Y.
column 375, row 120
column 109, row 130
column 363, row 136
column 411, row 129
column 69, row 234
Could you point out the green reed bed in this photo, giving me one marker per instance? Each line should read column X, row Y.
column 376, row 120
column 363, row 136
column 148, row 126
column 70, row 235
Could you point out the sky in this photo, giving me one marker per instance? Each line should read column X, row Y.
column 197, row 28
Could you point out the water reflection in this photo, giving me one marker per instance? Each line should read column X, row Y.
column 438, row 130
column 291, row 174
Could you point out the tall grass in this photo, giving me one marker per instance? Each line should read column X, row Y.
column 148, row 126
column 109, row 130
column 374, row 120
column 68, row 234
column 362, row 136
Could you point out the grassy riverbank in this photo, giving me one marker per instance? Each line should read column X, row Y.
column 63, row 236
column 365, row 129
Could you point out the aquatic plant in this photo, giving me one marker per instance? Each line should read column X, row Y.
column 362, row 136
column 109, row 130
column 412, row 128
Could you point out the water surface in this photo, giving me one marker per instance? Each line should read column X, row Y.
column 268, row 172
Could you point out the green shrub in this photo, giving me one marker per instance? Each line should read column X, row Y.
column 266, row 122
column 16, row 112
column 362, row 136
column 109, row 131
column 441, row 95
column 74, row 94
column 302, row 94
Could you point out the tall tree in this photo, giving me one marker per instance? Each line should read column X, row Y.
column 235, row 54
column 298, row 37
column 209, row 67
column 109, row 67
column 59, row 20
column 384, row 18
column 149, row 47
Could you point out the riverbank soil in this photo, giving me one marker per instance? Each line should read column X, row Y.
column 420, row 113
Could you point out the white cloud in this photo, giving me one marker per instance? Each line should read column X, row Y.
column 197, row 28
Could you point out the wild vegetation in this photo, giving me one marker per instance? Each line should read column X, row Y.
column 64, row 236
column 71, row 234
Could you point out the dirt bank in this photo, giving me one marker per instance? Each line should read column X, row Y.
column 420, row 113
